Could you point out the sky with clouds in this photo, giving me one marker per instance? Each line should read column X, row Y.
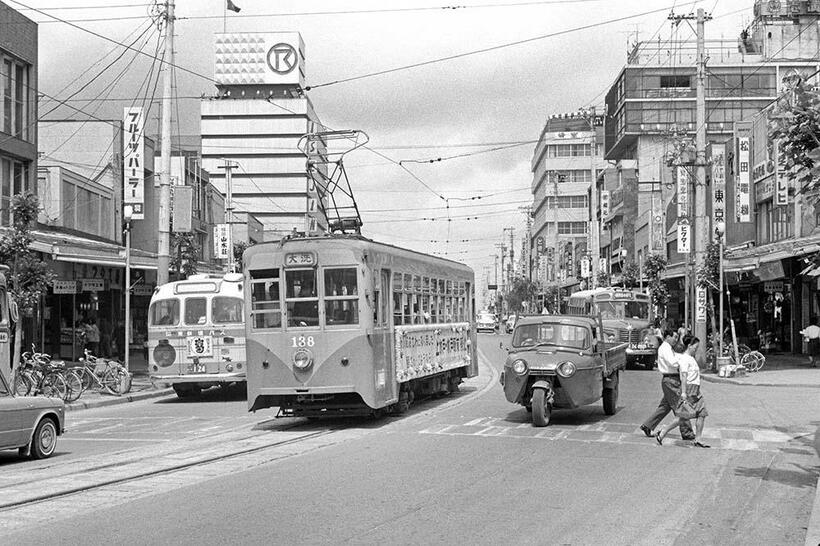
column 467, row 107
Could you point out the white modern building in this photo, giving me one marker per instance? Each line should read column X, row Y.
column 255, row 123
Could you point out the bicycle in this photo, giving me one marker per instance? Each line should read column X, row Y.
column 37, row 375
column 106, row 374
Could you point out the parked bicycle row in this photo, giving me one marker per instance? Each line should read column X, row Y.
column 38, row 374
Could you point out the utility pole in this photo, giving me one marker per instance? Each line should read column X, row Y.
column 164, row 240
column 229, row 166
column 503, row 250
column 701, row 229
column 595, row 236
column 526, row 247
column 511, row 263
column 555, row 177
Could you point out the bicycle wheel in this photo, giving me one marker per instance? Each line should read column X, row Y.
column 74, row 386
column 22, row 384
column 116, row 381
column 753, row 361
column 54, row 386
column 86, row 376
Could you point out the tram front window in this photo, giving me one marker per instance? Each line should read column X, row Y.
column 301, row 299
column 266, row 310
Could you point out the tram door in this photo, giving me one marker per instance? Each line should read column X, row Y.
column 385, row 373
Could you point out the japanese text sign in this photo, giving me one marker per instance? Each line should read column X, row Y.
column 133, row 161
column 742, row 191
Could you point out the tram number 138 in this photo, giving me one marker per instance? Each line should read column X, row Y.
column 302, row 341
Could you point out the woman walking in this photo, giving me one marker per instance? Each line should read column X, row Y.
column 691, row 405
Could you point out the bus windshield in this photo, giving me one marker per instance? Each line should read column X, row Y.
column 623, row 309
column 164, row 313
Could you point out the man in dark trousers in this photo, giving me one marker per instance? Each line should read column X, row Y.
column 670, row 385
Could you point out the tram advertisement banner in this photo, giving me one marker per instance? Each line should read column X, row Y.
column 424, row 350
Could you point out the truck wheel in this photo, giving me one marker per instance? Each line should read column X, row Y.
column 610, row 398
column 541, row 410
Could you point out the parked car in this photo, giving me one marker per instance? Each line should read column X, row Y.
column 510, row 323
column 485, row 322
column 29, row 424
column 560, row 361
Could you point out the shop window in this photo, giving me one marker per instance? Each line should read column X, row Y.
column 266, row 306
column 195, row 311
column 226, row 310
column 301, row 298
column 164, row 313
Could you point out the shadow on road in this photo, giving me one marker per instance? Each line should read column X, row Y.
column 804, row 477
column 231, row 393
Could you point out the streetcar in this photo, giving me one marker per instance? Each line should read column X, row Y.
column 626, row 316
column 196, row 333
column 340, row 324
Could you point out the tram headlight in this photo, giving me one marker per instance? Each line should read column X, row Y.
column 302, row 359
column 164, row 354
column 566, row 369
column 519, row 367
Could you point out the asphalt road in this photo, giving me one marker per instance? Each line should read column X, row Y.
column 466, row 468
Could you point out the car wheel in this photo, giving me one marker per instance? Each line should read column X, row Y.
column 45, row 439
column 610, row 398
column 541, row 410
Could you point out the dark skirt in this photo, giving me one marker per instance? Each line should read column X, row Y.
column 814, row 346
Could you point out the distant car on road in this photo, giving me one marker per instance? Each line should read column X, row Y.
column 485, row 322
column 510, row 324
column 29, row 424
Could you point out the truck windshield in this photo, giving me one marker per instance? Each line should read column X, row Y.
column 623, row 310
column 560, row 335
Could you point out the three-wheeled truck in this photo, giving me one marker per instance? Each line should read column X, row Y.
column 561, row 361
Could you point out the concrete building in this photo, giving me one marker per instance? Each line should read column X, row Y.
column 18, row 123
column 564, row 166
column 255, row 121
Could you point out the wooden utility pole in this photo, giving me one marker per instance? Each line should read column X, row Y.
column 164, row 240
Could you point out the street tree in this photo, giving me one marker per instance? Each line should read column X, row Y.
column 630, row 275
column 29, row 276
column 185, row 254
column 708, row 277
column 523, row 290
column 654, row 267
column 238, row 251
column 794, row 124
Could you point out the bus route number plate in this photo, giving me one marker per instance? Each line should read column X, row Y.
column 200, row 346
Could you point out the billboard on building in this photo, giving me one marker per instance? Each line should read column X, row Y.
column 221, row 242
column 182, row 210
column 133, row 161
column 718, row 183
column 742, row 190
column 259, row 58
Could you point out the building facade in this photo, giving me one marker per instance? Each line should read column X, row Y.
column 255, row 123
column 565, row 164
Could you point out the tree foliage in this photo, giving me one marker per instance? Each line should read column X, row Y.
column 630, row 275
column 709, row 274
column 603, row 278
column 653, row 267
column 795, row 125
column 522, row 290
column 185, row 254
column 238, row 251
column 29, row 276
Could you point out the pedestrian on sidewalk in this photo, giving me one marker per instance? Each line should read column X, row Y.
column 692, row 405
column 670, row 386
column 811, row 335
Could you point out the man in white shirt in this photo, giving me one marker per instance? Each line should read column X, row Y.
column 812, row 336
column 690, row 392
column 670, row 386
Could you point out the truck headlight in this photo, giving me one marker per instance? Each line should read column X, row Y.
column 519, row 367
column 566, row 369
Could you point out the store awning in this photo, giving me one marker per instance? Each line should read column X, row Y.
column 103, row 260
column 737, row 268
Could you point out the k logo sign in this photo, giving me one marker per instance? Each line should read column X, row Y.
column 282, row 58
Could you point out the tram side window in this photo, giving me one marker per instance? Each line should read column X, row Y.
column 341, row 296
column 226, row 310
column 164, row 312
column 301, row 298
column 195, row 311
column 397, row 299
column 266, row 310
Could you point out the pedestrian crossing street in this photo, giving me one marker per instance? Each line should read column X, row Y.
column 727, row 438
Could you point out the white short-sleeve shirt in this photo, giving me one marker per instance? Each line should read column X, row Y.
column 689, row 366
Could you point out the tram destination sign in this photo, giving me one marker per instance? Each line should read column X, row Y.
column 300, row 259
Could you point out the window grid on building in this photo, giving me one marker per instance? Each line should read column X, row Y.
column 572, row 228
column 14, row 78
column 569, row 150
column 568, row 202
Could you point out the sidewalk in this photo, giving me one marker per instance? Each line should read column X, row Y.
column 780, row 370
column 141, row 389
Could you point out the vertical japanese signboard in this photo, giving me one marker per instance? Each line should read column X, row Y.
column 743, row 192
column 684, row 231
column 585, row 267
column 133, row 156
column 700, row 305
column 182, row 210
column 221, row 241
column 719, row 183
column 605, row 204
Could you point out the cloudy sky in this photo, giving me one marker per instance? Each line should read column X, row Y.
column 467, row 107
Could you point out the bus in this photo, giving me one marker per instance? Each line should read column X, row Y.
column 341, row 324
column 196, row 333
column 626, row 316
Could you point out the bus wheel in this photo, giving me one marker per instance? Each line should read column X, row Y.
column 453, row 382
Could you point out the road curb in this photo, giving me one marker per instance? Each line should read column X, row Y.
column 813, row 529
column 729, row 381
column 116, row 400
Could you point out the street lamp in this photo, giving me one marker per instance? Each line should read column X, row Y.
column 720, row 230
column 128, row 211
